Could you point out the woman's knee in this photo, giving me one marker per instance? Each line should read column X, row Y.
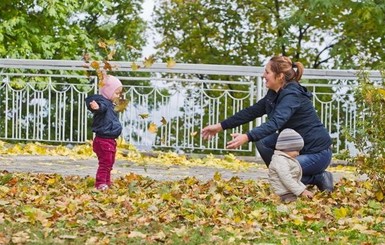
column 266, row 147
column 315, row 163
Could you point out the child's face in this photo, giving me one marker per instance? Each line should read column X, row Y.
column 292, row 154
column 116, row 94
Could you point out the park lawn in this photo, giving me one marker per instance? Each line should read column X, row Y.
column 53, row 209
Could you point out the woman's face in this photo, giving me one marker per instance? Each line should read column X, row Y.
column 272, row 81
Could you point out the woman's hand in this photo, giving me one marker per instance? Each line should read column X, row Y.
column 237, row 141
column 209, row 131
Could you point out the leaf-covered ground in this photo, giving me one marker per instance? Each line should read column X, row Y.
column 127, row 153
column 51, row 209
column 54, row 209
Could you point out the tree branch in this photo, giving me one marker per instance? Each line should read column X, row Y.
column 318, row 63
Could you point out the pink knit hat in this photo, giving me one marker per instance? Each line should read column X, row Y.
column 111, row 83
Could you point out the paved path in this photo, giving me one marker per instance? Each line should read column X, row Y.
column 66, row 166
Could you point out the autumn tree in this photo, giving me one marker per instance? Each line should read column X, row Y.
column 68, row 28
column 318, row 33
column 361, row 36
column 332, row 34
column 369, row 135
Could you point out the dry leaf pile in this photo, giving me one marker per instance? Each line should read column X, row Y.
column 53, row 209
column 126, row 152
column 138, row 210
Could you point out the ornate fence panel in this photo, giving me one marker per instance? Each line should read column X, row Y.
column 43, row 100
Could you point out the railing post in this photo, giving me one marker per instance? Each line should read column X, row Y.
column 328, row 97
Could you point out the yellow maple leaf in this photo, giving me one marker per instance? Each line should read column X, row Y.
column 95, row 65
column 102, row 44
column 217, row 176
column 381, row 91
column 110, row 56
column 170, row 63
column 379, row 196
column 148, row 62
column 194, row 133
column 153, row 128
column 121, row 105
column 101, row 78
column 341, row 212
column 297, row 221
column 51, row 181
column 111, row 42
column 134, row 66
column 180, row 231
column 101, row 83
column 159, row 236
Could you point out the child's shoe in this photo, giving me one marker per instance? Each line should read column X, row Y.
column 102, row 187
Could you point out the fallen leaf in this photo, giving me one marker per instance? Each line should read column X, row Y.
column 163, row 121
column 107, row 66
column 20, row 237
column 110, row 56
column 144, row 115
column 170, row 63
column 134, row 66
column 121, row 105
column 148, row 62
column 70, row 237
column 95, row 65
column 153, row 128
column 102, row 44
column 135, row 234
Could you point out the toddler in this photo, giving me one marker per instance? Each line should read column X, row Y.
column 107, row 128
column 285, row 172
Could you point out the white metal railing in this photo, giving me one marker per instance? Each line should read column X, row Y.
column 43, row 100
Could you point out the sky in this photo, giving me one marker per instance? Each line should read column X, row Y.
column 148, row 6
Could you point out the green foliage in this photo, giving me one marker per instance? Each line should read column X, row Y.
column 321, row 33
column 68, row 28
column 370, row 133
column 361, row 34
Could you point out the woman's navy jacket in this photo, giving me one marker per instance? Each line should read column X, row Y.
column 291, row 108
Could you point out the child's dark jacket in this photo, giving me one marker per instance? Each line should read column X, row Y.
column 106, row 122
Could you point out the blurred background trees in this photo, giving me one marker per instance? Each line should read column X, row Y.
column 319, row 33
column 322, row 34
column 66, row 29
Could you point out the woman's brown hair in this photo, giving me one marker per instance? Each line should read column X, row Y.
column 284, row 65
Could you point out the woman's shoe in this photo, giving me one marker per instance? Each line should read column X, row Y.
column 324, row 181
